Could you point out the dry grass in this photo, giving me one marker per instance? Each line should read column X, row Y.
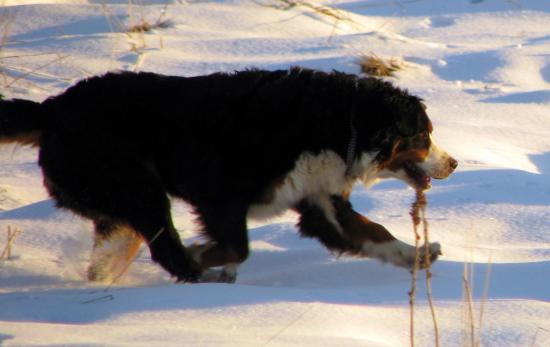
column 473, row 326
column 7, row 19
column 7, row 80
column 137, row 27
column 139, row 24
column 471, row 331
column 325, row 11
column 418, row 214
column 321, row 9
column 144, row 26
column 11, row 236
column 373, row 65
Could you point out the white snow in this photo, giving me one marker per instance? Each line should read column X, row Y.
column 483, row 68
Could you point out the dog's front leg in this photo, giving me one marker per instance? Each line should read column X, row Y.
column 210, row 255
column 375, row 241
column 336, row 225
column 318, row 220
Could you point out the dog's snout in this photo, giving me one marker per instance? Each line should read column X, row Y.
column 453, row 164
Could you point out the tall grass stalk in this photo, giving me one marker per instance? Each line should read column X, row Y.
column 11, row 235
column 472, row 333
column 418, row 214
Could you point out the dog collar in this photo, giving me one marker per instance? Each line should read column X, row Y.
column 351, row 149
column 352, row 144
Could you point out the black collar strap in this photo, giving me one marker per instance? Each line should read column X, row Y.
column 352, row 145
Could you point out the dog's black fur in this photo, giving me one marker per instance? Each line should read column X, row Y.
column 113, row 147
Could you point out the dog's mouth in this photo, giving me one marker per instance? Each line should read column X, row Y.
column 417, row 176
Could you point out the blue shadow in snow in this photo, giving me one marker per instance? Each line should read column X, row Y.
column 90, row 28
column 545, row 72
column 470, row 66
column 535, row 97
column 369, row 284
column 504, row 186
column 44, row 209
column 423, row 8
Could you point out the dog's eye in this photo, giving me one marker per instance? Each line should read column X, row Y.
column 424, row 135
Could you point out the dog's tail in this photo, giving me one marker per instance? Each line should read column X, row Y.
column 20, row 121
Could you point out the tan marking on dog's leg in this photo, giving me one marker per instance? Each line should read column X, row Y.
column 113, row 254
column 375, row 241
column 361, row 229
column 358, row 228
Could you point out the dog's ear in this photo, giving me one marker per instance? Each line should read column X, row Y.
column 412, row 119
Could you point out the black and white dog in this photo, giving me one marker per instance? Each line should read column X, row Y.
column 249, row 144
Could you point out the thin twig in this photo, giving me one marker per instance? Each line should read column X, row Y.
column 327, row 11
column 428, row 264
column 6, row 21
column 18, row 56
column 539, row 329
column 484, row 300
column 418, row 214
column 109, row 297
column 286, row 327
column 470, row 303
column 6, row 253
column 412, row 294
column 59, row 58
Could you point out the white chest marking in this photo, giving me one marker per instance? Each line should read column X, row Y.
column 313, row 175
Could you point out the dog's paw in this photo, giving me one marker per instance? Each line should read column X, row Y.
column 402, row 254
column 179, row 264
column 217, row 276
column 433, row 250
column 99, row 272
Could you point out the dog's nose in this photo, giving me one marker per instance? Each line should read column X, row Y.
column 453, row 163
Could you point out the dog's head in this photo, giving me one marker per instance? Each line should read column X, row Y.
column 408, row 151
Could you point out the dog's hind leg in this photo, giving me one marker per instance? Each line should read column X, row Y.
column 115, row 247
column 125, row 191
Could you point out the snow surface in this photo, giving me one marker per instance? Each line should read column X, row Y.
column 483, row 68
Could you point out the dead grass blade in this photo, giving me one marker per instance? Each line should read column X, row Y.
column 12, row 234
column 469, row 332
column 414, row 274
column 373, row 65
column 6, row 20
column 144, row 26
column 34, row 71
column 418, row 214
